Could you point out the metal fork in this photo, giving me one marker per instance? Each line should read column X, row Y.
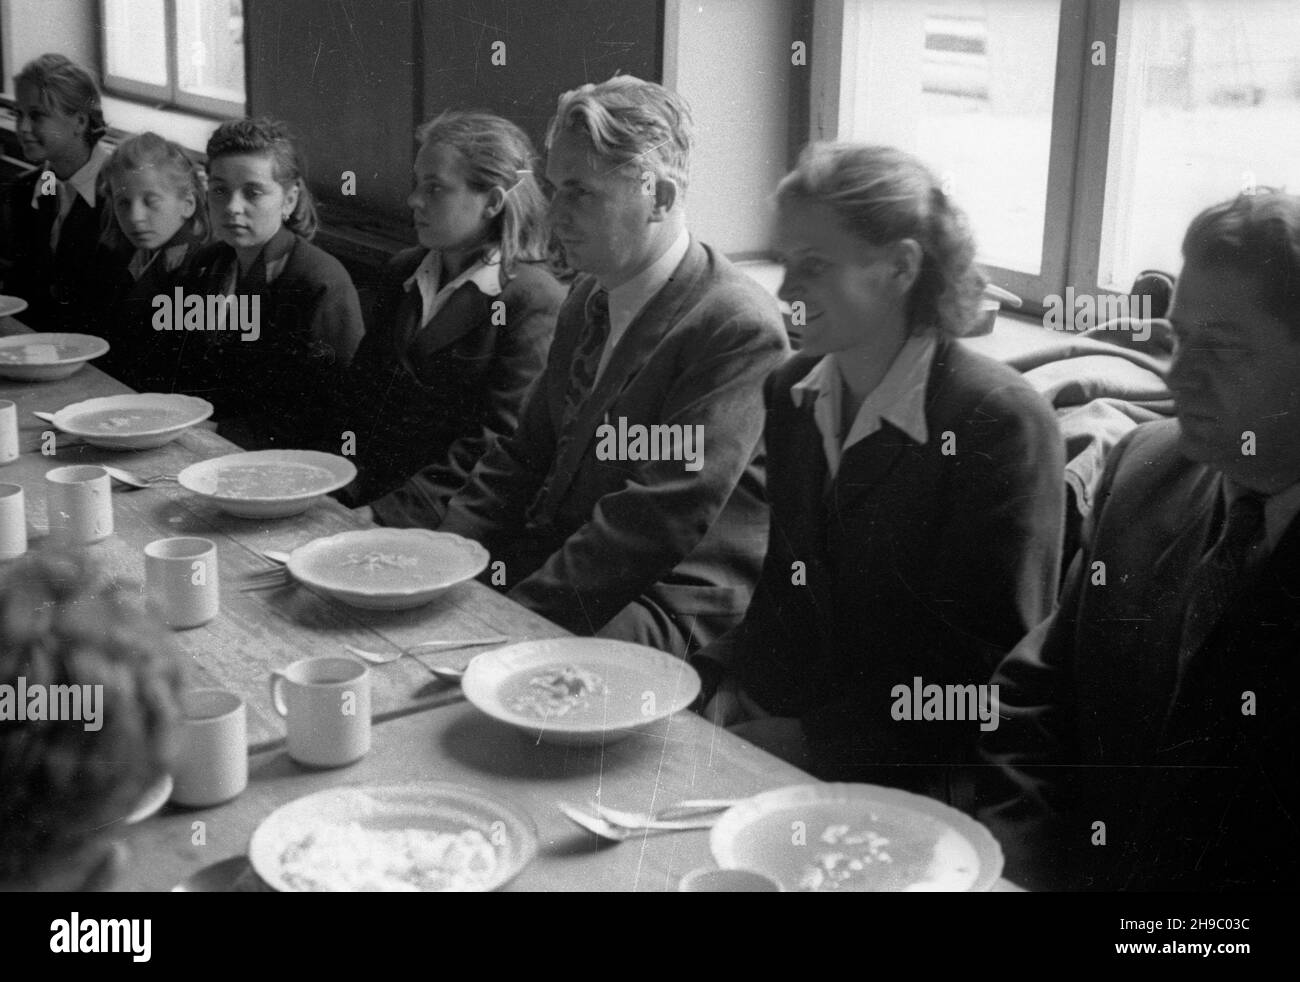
column 267, row 579
column 618, row 833
column 694, row 808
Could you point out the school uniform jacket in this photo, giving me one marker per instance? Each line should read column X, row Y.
column 607, row 532
column 146, row 359
column 1086, row 695
column 432, row 399
column 926, row 561
column 278, row 391
column 69, row 288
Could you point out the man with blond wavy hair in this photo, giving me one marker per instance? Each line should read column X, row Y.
column 660, row 331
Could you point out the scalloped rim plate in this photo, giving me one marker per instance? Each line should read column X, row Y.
column 674, row 683
column 196, row 410
column 732, row 848
column 27, row 371
column 437, row 805
column 201, row 479
column 447, row 560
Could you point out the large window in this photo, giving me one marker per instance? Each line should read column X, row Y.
column 1082, row 136
column 183, row 53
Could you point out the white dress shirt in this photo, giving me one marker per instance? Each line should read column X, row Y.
column 484, row 274
column 628, row 300
column 899, row 399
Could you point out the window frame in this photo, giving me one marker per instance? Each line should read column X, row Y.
column 169, row 96
column 1079, row 149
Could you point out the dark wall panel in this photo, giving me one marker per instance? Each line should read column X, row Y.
column 343, row 74
column 550, row 46
column 354, row 78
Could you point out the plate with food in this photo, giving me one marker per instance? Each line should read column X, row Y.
column 267, row 483
column 11, row 305
column 387, row 569
column 849, row 838
column 579, row 690
column 132, row 422
column 45, row 357
column 418, row 837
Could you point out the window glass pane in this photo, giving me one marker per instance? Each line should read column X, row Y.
column 1207, row 101
column 967, row 85
column 135, row 36
column 210, row 48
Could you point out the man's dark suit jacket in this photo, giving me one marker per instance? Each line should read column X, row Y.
column 434, row 398
column 1085, row 697
column 70, row 288
column 690, row 542
column 279, row 390
column 914, row 563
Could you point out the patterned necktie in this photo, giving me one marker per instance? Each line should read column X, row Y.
column 586, row 358
column 582, row 377
column 1199, row 699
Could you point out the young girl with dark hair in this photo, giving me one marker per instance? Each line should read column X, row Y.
column 272, row 382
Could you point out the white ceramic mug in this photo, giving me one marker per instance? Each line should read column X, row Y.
column 326, row 705
column 212, row 760
column 180, row 576
column 80, row 504
column 8, row 431
column 13, row 521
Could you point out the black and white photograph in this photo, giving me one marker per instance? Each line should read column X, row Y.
column 650, row 446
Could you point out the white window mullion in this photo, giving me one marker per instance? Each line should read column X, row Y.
column 1093, row 151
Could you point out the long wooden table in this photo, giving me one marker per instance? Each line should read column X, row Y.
column 255, row 632
column 682, row 757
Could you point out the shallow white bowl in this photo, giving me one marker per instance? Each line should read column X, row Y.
column 73, row 351
column 645, row 686
column 925, row 845
column 189, row 411
column 425, row 805
column 387, row 569
column 11, row 305
column 202, row 478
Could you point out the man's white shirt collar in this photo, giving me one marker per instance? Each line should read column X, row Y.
column 484, row 274
column 628, row 300
column 899, row 399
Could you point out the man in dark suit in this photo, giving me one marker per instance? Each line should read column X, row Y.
column 1150, row 738
column 663, row 332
